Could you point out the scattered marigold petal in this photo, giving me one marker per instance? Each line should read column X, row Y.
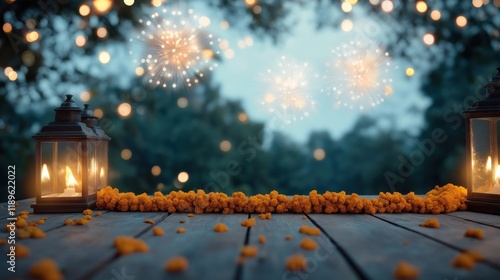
column 45, row 269
column 288, row 237
column 88, row 212
column 99, row 213
column 127, row 245
column 176, row 264
column 474, row 233
column 181, row 230
column 88, row 217
column 22, row 251
column 464, row 260
column 149, row 221
column 265, row 216
column 158, row 231
column 190, row 215
column 249, row 251
column 405, row 270
column 475, row 255
column 308, row 244
column 262, row 239
column 430, row 223
column 220, row 227
column 248, row 222
column 296, row 262
column 309, row 230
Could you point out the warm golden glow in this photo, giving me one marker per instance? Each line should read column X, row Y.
column 70, row 179
column 102, row 6
column 387, row 6
column 477, row 3
column 250, row 2
column 12, row 75
column 85, row 96
column 225, row 146
column 84, row 10
column 98, row 113
column 45, row 173
column 319, row 154
column 421, row 6
column 183, row 177
column 93, row 166
column 436, row 15
column 497, row 172
column 346, row 25
column 80, row 41
column 7, row 27
column 104, row 57
column 346, row 7
column 101, row 174
column 124, row 110
column 156, row 3
column 156, row 170
column 139, row 71
column 242, row 117
column 126, row 154
column 461, row 21
column 102, row 32
column 428, row 39
column 32, row 36
column 129, row 2
column 410, row 71
column 488, row 164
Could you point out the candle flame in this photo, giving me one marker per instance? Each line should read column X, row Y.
column 102, row 173
column 70, row 179
column 488, row 164
column 497, row 172
column 45, row 173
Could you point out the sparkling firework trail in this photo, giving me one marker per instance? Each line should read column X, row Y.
column 175, row 48
column 288, row 90
column 359, row 75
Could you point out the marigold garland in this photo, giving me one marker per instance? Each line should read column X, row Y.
column 444, row 199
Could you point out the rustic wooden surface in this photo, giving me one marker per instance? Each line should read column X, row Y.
column 350, row 246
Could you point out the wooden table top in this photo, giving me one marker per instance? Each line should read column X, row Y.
column 351, row 246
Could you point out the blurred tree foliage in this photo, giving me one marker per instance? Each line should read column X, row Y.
column 367, row 159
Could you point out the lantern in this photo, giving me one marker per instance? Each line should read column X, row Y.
column 71, row 160
column 482, row 128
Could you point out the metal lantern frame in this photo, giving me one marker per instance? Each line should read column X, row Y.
column 482, row 129
column 71, row 161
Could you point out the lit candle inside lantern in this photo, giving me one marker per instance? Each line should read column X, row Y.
column 488, row 164
column 71, row 184
column 45, row 177
column 102, row 174
column 496, row 186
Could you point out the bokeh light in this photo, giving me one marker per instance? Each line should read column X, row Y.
column 242, row 117
column 28, row 58
column 7, row 27
column 126, row 154
column 428, row 39
column 461, row 21
column 183, row 177
column 85, row 96
column 32, row 36
column 409, row 71
column 435, row 15
column 124, row 110
column 346, row 25
column 387, row 6
column 346, row 7
column 102, row 6
column 421, row 6
column 182, row 102
column 477, row 3
column 80, row 41
column 84, row 10
column 225, row 146
column 257, row 9
column 129, row 2
column 156, row 170
column 104, row 57
column 99, row 113
column 102, row 32
column 319, row 154
column 139, row 71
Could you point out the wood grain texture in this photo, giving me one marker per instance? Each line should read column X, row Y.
column 323, row 262
column 377, row 246
column 451, row 232
column 211, row 255
column 487, row 219
column 80, row 249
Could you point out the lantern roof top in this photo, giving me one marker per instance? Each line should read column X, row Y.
column 490, row 105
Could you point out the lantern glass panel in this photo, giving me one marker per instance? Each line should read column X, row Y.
column 93, row 167
column 485, row 157
column 61, row 169
column 103, row 164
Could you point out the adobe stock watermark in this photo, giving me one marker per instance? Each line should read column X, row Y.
column 320, row 254
column 425, row 148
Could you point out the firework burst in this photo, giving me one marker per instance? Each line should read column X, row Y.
column 359, row 75
column 175, row 48
column 288, row 90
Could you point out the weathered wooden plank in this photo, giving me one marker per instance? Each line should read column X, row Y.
column 24, row 205
column 377, row 246
column 488, row 219
column 451, row 232
column 80, row 249
column 323, row 262
column 211, row 255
